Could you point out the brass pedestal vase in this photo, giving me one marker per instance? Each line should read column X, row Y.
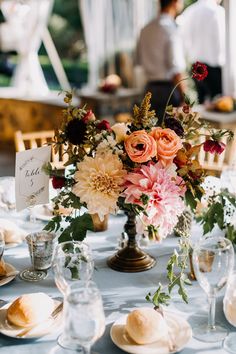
column 131, row 259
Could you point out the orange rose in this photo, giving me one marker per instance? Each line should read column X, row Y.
column 140, row 146
column 168, row 144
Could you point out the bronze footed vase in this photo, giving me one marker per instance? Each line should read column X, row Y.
column 131, row 259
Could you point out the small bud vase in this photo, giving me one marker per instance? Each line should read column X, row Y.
column 99, row 225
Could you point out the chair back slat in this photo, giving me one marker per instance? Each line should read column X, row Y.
column 32, row 140
column 214, row 162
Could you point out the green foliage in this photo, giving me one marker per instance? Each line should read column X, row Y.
column 76, row 227
column 189, row 2
column 190, row 199
column 220, row 206
column 66, row 28
column 158, row 298
column 176, row 276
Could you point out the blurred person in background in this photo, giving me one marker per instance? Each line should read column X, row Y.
column 202, row 27
column 160, row 53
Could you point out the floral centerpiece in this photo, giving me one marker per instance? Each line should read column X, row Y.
column 150, row 171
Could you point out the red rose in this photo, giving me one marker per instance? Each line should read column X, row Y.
column 58, row 182
column 199, row 71
column 104, row 125
column 213, row 146
column 89, row 117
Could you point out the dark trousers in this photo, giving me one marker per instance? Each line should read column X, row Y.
column 160, row 91
column 211, row 85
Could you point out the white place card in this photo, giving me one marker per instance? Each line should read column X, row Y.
column 32, row 184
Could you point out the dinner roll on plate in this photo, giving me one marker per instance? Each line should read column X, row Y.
column 145, row 325
column 30, row 309
column 3, row 270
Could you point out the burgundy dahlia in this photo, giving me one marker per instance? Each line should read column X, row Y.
column 199, row 71
column 75, row 131
column 58, row 182
column 174, row 124
column 214, row 146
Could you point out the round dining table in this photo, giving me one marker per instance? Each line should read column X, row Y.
column 121, row 292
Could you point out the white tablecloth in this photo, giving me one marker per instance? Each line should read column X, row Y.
column 121, row 292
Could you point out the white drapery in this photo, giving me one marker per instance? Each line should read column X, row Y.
column 23, row 31
column 111, row 26
column 229, row 72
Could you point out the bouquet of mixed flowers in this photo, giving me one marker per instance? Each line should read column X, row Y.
column 140, row 166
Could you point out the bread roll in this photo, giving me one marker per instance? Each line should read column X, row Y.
column 30, row 309
column 3, row 270
column 145, row 325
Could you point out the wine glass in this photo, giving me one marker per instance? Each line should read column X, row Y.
column 72, row 262
column 230, row 312
column 84, row 318
column 213, row 261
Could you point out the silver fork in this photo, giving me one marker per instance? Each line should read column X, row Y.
column 53, row 316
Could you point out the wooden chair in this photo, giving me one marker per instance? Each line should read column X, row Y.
column 32, row 140
column 215, row 163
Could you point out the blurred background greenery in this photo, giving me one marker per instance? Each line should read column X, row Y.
column 66, row 30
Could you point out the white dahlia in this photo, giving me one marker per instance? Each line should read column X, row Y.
column 99, row 182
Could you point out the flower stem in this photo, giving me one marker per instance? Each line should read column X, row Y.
column 169, row 98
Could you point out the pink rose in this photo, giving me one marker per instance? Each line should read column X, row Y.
column 140, row 146
column 168, row 144
column 89, row 117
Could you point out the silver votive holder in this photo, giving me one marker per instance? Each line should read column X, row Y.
column 41, row 247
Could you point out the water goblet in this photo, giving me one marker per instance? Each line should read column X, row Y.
column 230, row 312
column 84, row 319
column 213, row 261
column 72, row 262
column 41, row 248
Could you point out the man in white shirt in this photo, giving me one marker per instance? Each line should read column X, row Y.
column 202, row 26
column 160, row 53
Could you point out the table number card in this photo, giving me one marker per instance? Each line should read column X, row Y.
column 32, row 184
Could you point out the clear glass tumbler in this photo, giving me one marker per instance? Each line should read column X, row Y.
column 84, row 319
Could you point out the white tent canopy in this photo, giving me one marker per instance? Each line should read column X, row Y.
column 111, row 26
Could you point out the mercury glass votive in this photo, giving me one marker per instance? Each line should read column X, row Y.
column 41, row 246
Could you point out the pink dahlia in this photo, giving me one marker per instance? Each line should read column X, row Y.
column 163, row 191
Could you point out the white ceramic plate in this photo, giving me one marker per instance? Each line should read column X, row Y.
column 43, row 212
column 6, row 279
column 38, row 331
column 179, row 329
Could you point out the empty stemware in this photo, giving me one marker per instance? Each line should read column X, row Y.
column 72, row 262
column 213, row 260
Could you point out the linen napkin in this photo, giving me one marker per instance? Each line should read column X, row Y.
column 11, row 232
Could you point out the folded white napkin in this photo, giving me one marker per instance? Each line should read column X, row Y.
column 11, row 232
